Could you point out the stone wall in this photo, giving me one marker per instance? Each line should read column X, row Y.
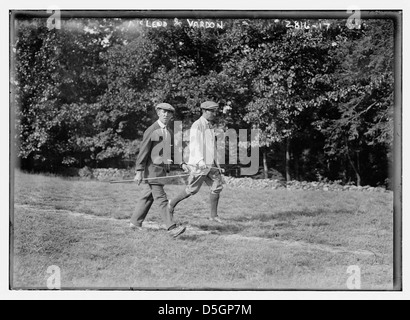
column 231, row 182
column 296, row 185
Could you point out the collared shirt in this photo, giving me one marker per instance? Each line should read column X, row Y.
column 161, row 125
column 202, row 143
column 166, row 139
column 163, row 129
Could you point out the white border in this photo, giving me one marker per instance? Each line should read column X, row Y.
column 6, row 294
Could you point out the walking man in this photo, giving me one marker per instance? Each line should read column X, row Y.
column 203, row 163
column 152, row 166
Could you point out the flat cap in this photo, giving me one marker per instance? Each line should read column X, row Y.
column 209, row 105
column 165, row 106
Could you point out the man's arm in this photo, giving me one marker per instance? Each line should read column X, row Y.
column 196, row 146
column 138, row 177
column 145, row 151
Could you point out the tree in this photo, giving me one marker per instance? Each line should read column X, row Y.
column 59, row 77
column 285, row 71
column 322, row 98
column 361, row 122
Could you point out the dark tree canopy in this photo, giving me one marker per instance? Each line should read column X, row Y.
column 321, row 97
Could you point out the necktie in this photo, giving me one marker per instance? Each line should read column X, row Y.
column 164, row 133
column 166, row 146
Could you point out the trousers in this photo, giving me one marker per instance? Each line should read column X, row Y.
column 151, row 193
column 213, row 179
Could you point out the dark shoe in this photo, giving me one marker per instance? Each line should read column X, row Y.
column 177, row 231
column 135, row 228
column 216, row 219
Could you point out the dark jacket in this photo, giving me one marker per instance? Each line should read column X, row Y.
column 151, row 158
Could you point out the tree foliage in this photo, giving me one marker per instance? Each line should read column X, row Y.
column 322, row 98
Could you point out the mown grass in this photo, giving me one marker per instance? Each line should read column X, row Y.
column 102, row 253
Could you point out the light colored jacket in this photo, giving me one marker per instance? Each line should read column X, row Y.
column 202, row 144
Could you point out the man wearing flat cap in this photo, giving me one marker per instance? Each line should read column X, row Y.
column 203, row 163
column 153, row 162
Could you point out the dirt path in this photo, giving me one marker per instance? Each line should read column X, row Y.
column 191, row 230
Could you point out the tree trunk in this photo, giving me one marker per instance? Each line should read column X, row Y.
column 296, row 160
column 287, row 162
column 358, row 179
column 265, row 165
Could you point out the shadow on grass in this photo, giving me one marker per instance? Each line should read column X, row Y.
column 190, row 237
column 268, row 234
column 221, row 228
column 287, row 215
column 294, row 214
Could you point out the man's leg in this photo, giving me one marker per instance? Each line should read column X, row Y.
column 173, row 202
column 193, row 185
column 214, row 180
column 214, row 199
column 143, row 205
column 160, row 197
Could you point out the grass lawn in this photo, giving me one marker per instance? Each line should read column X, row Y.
column 272, row 239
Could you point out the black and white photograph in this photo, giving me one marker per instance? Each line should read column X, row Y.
column 201, row 150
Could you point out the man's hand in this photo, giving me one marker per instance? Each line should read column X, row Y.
column 138, row 177
column 185, row 167
column 202, row 165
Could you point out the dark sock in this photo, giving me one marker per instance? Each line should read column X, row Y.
column 183, row 195
column 214, row 204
